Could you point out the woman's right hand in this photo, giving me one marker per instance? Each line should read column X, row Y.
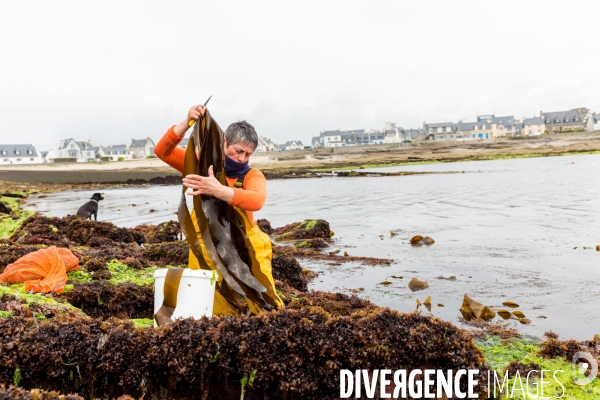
column 195, row 112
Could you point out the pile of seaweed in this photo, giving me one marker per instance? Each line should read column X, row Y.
column 293, row 354
column 16, row 393
column 307, row 229
column 296, row 352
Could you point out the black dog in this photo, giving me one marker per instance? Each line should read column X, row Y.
column 91, row 207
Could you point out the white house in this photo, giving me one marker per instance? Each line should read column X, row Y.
column 392, row 135
column 82, row 151
column 114, row 152
column 593, row 123
column 47, row 156
column 19, row 154
column 140, row 148
column 533, row 126
column 291, row 145
column 266, row 144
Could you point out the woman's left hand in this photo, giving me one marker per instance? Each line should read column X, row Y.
column 208, row 185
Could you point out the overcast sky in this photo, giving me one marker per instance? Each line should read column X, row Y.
column 111, row 71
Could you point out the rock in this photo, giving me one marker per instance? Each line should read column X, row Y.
column 4, row 209
column 307, row 229
column 519, row 314
column 265, row 226
column 101, row 275
column 418, row 241
column 416, row 284
column 288, row 270
column 510, row 304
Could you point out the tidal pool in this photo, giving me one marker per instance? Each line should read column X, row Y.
column 521, row 230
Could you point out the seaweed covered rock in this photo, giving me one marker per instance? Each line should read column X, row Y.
column 96, row 264
column 11, row 253
column 14, row 393
column 292, row 354
column 265, row 226
column 553, row 348
column 161, row 254
column 103, row 300
column 49, row 228
column 313, row 244
column 72, row 230
column 81, row 231
column 96, row 259
column 4, row 209
column 287, row 269
column 169, row 231
column 336, row 304
column 523, row 370
column 307, row 229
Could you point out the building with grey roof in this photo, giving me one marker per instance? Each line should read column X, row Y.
column 80, row 150
column 19, row 154
column 533, row 126
column 47, row 156
column 291, row 145
column 265, row 144
column 115, row 152
column 140, row 148
column 593, row 123
column 558, row 121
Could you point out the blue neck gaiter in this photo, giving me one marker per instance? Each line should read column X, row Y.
column 234, row 169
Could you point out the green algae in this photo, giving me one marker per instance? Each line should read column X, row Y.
column 121, row 273
column 18, row 290
column 8, row 225
column 500, row 352
column 143, row 323
column 309, row 223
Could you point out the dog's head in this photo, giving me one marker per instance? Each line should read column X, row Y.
column 97, row 197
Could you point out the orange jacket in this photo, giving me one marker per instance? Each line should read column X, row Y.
column 251, row 198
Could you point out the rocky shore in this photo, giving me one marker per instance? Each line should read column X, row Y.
column 96, row 339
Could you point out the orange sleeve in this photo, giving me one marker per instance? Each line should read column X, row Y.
column 166, row 149
column 254, row 194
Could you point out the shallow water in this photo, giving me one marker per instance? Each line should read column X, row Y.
column 507, row 229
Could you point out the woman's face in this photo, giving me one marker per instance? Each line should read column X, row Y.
column 239, row 152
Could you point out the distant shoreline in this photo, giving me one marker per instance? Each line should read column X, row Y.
column 310, row 163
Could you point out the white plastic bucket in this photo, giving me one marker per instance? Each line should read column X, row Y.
column 196, row 294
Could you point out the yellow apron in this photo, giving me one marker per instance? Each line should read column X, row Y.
column 262, row 247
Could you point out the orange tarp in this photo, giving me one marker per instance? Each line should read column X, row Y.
column 42, row 271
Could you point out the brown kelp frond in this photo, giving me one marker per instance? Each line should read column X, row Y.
column 222, row 228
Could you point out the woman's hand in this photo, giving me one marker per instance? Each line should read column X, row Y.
column 194, row 113
column 208, row 185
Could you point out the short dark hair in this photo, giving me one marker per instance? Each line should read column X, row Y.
column 243, row 132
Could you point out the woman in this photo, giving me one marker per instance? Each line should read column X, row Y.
column 247, row 190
